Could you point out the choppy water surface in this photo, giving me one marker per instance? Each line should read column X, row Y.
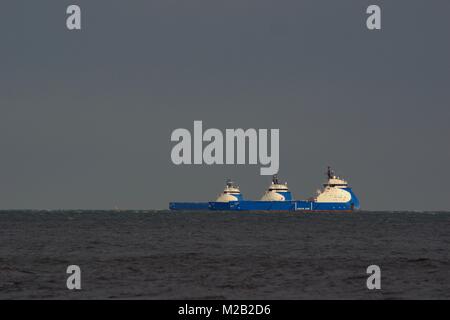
column 214, row 255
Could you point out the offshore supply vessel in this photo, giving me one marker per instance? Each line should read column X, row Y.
column 336, row 195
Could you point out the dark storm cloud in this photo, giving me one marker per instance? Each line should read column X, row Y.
column 86, row 116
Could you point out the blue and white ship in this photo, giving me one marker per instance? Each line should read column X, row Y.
column 336, row 195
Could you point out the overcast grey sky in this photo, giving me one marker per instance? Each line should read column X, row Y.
column 86, row 116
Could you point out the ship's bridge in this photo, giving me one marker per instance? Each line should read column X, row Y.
column 336, row 190
column 277, row 191
column 336, row 182
column 230, row 193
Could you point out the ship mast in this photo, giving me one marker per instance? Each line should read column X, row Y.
column 230, row 183
column 275, row 179
column 330, row 173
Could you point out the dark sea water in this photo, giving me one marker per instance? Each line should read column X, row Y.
column 219, row 255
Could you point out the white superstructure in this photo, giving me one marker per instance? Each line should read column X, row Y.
column 276, row 192
column 230, row 193
column 334, row 190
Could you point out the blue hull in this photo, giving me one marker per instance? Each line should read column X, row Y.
column 291, row 205
column 248, row 205
column 310, row 206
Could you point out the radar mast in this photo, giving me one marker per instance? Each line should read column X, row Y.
column 330, row 173
column 275, row 179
